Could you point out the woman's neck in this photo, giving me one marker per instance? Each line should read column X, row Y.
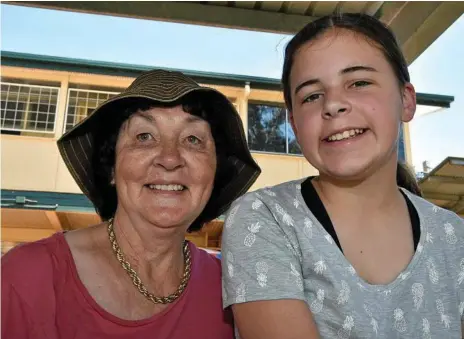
column 155, row 252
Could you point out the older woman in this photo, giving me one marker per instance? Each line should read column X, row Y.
column 162, row 158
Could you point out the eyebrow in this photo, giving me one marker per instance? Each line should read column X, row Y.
column 347, row 70
column 190, row 119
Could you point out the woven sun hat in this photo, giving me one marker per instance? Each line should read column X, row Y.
column 77, row 145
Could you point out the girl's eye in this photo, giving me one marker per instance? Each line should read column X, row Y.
column 193, row 140
column 312, row 97
column 361, row 83
column 142, row 137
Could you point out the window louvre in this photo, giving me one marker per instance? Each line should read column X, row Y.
column 28, row 108
column 83, row 102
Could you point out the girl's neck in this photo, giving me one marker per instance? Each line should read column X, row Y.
column 378, row 191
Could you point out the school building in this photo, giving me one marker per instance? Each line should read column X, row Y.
column 42, row 97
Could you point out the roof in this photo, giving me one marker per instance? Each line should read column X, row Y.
column 444, row 185
column 416, row 23
column 129, row 70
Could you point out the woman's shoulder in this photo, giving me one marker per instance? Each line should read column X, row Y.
column 33, row 264
column 206, row 260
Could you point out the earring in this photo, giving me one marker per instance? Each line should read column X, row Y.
column 112, row 182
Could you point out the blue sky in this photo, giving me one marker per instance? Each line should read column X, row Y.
column 38, row 31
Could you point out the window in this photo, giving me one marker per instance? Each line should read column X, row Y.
column 28, row 108
column 81, row 103
column 269, row 129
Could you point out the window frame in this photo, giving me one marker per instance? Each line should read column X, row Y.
column 68, row 98
column 57, row 104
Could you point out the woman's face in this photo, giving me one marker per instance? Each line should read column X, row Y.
column 165, row 166
column 347, row 105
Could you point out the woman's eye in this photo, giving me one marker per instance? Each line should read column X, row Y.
column 361, row 83
column 312, row 97
column 193, row 140
column 144, row 137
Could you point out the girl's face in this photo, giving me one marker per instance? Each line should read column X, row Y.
column 347, row 105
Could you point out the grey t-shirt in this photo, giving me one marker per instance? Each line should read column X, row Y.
column 274, row 248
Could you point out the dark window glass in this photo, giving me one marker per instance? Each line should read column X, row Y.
column 401, row 147
column 266, row 128
column 293, row 147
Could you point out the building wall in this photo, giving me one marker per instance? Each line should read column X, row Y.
column 31, row 161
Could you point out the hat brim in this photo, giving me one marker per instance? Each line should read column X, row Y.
column 76, row 146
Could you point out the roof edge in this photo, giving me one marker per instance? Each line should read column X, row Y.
column 27, row 60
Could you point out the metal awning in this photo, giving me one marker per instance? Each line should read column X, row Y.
column 444, row 185
column 417, row 24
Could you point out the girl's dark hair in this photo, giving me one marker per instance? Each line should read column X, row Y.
column 405, row 178
column 363, row 24
column 104, row 157
column 376, row 32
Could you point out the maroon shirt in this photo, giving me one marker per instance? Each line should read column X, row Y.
column 43, row 298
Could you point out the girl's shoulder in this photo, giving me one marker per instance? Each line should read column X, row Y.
column 433, row 214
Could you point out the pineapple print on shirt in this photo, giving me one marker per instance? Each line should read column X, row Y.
column 286, row 218
column 230, row 219
column 344, row 294
column 450, row 236
column 297, row 277
column 256, row 204
column 261, row 273
column 400, row 322
column 308, row 228
column 318, row 304
column 240, row 293
column 417, row 290
column 461, row 273
column 433, row 274
column 230, row 264
column 445, row 319
column 426, row 329
column 374, row 323
column 251, row 237
column 345, row 331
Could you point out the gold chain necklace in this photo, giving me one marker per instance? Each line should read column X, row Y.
column 138, row 282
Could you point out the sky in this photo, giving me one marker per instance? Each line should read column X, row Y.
column 439, row 70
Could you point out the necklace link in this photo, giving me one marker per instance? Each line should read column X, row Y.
column 136, row 279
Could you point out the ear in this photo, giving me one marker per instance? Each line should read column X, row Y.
column 409, row 102
column 292, row 123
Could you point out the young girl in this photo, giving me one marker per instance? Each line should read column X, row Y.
column 349, row 253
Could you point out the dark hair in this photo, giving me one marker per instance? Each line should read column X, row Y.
column 405, row 178
column 363, row 24
column 375, row 31
column 104, row 157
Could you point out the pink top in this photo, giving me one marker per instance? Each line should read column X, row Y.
column 43, row 297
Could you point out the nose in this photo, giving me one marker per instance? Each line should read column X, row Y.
column 169, row 157
column 335, row 104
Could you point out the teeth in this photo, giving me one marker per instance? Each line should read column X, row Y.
column 166, row 187
column 346, row 134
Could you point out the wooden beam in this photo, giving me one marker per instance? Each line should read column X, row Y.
column 445, row 180
column 372, row 7
column 183, row 12
column 54, row 220
column 16, row 234
column 271, row 6
column 440, row 196
column 431, row 28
